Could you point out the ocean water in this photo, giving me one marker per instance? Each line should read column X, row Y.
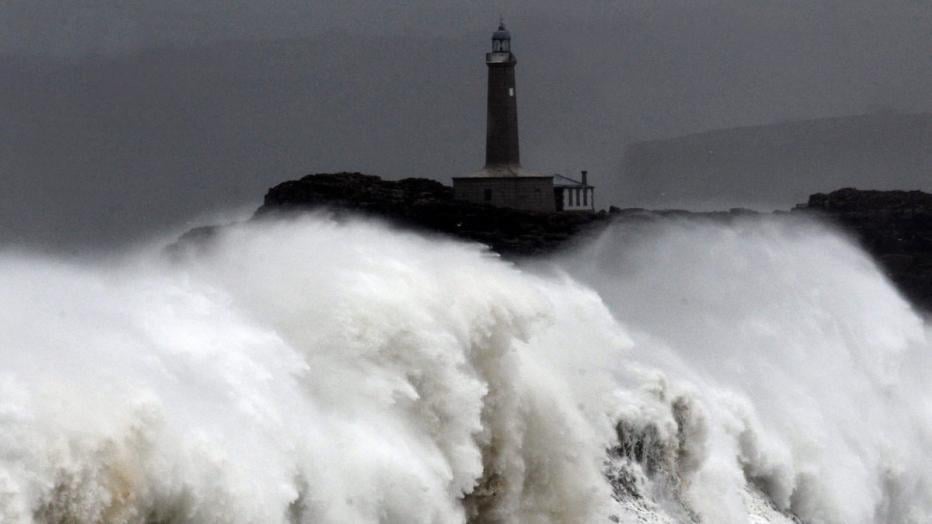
column 304, row 370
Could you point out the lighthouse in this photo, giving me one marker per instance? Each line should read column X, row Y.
column 503, row 182
column 501, row 138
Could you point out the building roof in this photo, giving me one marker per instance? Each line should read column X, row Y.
column 564, row 181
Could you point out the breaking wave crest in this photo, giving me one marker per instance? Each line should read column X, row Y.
column 305, row 370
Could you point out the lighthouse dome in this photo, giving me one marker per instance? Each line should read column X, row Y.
column 502, row 33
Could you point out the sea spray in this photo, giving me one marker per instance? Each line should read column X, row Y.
column 312, row 371
column 807, row 363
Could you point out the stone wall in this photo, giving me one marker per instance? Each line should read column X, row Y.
column 525, row 193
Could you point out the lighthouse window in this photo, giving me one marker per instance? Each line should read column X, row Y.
column 487, row 195
column 511, row 91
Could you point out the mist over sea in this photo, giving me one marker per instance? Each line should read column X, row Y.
column 309, row 370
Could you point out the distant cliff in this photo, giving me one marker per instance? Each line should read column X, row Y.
column 781, row 164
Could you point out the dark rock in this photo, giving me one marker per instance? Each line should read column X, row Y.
column 429, row 205
column 894, row 226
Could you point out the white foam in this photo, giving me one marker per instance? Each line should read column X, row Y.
column 309, row 371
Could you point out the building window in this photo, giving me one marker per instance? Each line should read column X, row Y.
column 487, row 195
column 585, row 197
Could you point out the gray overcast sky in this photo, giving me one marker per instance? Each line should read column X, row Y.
column 123, row 117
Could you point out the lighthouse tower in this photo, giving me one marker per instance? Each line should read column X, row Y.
column 501, row 141
column 503, row 182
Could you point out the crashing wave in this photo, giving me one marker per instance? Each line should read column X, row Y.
column 312, row 371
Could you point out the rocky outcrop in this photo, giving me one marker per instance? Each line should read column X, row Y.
column 894, row 226
column 428, row 205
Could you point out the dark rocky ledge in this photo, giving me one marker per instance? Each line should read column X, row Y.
column 894, row 226
column 428, row 205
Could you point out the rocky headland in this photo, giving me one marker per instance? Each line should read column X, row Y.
column 894, row 226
